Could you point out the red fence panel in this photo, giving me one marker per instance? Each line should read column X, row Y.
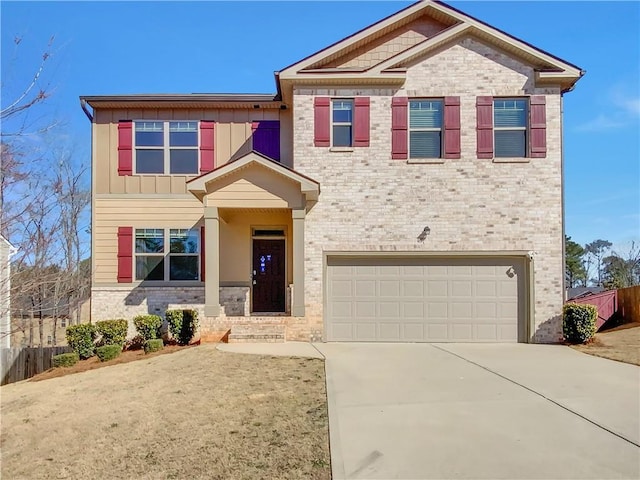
column 606, row 302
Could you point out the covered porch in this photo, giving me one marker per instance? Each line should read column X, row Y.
column 254, row 211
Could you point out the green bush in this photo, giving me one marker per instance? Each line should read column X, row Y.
column 153, row 345
column 80, row 338
column 65, row 359
column 113, row 331
column 108, row 352
column 182, row 324
column 148, row 326
column 579, row 322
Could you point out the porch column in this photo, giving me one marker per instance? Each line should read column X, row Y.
column 297, row 302
column 212, row 262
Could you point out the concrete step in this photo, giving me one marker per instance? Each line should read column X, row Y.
column 257, row 332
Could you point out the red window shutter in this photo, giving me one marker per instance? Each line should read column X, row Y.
column 399, row 119
column 538, row 126
column 125, row 147
column 321, row 123
column 202, row 257
column 125, row 254
column 451, row 127
column 484, row 126
column 266, row 138
column 361, row 122
column 207, row 145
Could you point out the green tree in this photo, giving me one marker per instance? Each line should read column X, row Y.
column 596, row 252
column 575, row 272
column 622, row 271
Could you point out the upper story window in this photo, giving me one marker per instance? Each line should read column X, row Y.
column 342, row 123
column 164, row 147
column 425, row 128
column 154, row 261
column 510, row 127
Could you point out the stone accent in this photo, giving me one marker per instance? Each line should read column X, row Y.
column 265, row 332
column 235, row 301
column 370, row 202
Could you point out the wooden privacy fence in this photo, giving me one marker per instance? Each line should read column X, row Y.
column 629, row 303
column 22, row 363
column 606, row 302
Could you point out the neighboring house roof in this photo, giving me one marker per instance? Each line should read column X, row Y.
column 579, row 292
column 550, row 69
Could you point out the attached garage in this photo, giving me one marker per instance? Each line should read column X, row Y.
column 426, row 298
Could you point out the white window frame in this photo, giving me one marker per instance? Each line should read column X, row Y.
column 424, row 129
column 512, row 129
column 166, row 254
column 166, row 147
column 350, row 124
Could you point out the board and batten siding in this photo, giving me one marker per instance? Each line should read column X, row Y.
column 233, row 130
column 109, row 214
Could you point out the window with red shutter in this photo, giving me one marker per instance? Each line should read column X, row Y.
column 538, row 126
column 125, row 147
column 484, row 127
column 361, row 122
column 452, row 127
column 399, row 117
column 125, row 254
column 321, row 108
column 207, row 146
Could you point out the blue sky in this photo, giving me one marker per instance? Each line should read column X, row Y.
column 105, row 48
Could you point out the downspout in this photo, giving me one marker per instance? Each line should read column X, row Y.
column 83, row 104
column 564, row 259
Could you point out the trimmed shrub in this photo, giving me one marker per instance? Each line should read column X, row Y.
column 65, row 359
column 113, row 331
column 182, row 324
column 80, row 338
column 148, row 326
column 108, row 352
column 153, row 345
column 579, row 322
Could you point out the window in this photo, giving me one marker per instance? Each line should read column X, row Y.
column 342, row 123
column 166, row 147
column 154, row 261
column 425, row 128
column 510, row 127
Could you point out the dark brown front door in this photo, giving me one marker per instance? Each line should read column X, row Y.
column 268, row 275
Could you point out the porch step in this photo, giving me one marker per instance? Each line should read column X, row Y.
column 257, row 332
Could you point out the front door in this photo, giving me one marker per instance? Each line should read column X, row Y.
column 268, row 275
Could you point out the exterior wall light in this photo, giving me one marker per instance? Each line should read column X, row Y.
column 423, row 235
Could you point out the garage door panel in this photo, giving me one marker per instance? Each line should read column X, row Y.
column 416, row 299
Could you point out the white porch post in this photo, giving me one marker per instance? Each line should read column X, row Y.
column 212, row 262
column 297, row 303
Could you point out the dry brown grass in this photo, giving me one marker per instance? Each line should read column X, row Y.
column 621, row 344
column 197, row 413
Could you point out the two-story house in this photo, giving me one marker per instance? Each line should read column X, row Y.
column 403, row 185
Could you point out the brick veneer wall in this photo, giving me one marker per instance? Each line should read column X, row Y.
column 369, row 202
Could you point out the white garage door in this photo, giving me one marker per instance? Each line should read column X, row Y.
column 424, row 299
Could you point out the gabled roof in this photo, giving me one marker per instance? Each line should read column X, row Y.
column 309, row 187
column 392, row 70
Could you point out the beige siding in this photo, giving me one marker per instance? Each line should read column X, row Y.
column 232, row 140
column 138, row 213
column 254, row 186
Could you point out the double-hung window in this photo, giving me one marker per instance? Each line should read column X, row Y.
column 166, row 254
column 425, row 128
column 510, row 127
column 164, row 147
column 342, row 122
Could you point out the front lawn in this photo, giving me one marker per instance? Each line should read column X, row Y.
column 196, row 413
column 621, row 344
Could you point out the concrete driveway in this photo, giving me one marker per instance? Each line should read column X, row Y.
column 452, row 411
